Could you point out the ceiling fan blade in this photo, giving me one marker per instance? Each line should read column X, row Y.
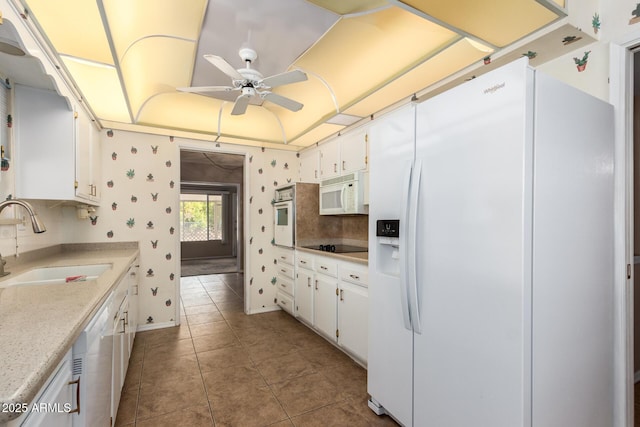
column 224, row 66
column 240, row 107
column 282, row 101
column 285, row 78
column 205, row 89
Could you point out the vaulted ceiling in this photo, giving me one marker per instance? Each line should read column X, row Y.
column 127, row 58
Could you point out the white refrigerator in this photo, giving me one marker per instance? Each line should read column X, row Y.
column 491, row 256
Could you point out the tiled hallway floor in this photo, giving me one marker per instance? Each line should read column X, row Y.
column 221, row 367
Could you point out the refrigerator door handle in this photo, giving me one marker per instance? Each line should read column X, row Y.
column 412, row 254
column 404, row 223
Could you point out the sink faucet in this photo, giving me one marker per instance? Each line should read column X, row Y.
column 36, row 224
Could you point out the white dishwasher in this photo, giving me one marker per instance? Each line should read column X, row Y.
column 92, row 354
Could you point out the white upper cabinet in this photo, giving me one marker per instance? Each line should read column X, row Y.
column 87, row 158
column 330, row 159
column 56, row 148
column 353, row 151
column 344, row 154
column 310, row 165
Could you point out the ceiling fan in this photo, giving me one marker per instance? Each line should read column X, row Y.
column 250, row 83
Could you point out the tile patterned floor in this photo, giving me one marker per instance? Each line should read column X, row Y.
column 221, row 367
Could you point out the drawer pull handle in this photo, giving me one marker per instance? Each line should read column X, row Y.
column 316, row 285
column 77, row 383
column 283, row 285
column 283, row 257
column 303, row 261
column 283, row 270
column 341, row 295
column 283, row 302
column 323, row 267
column 353, row 276
column 309, row 282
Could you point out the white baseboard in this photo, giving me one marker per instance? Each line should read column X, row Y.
column 265, row 309
column 152, row 326
column 636, row 377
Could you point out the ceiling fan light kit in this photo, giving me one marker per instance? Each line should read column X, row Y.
column 250, row 83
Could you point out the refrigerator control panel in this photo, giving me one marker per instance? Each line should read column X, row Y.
column 388, row 228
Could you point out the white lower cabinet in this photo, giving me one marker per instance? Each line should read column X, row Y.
column 332, row 297
column 124, row 323
column 53, row 405
column 285, row 279
column 304, row 295
column 324, row 305
column 353, row 318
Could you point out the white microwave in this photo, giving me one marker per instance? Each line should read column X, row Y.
column 344, row 195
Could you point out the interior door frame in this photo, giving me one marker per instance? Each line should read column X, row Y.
column 621, row 96
column 243, row 241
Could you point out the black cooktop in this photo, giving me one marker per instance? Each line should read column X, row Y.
column 338, row 249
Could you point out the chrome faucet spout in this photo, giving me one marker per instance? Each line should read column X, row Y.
column 36, row 223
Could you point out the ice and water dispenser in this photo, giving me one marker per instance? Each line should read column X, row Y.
column 388, row 240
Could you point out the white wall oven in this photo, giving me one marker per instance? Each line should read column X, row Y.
column 284, row 216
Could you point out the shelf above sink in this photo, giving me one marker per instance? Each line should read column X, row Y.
column 56, row 275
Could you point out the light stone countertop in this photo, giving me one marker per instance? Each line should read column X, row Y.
column 40, row 323
column 356, row 257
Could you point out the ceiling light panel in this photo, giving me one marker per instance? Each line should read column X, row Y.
column 101, row 88
column 155, row 65
column 316, row 134
column 74, row 27
column 361, row 54
column 499, row 22
column 449, row 61
column 131, row 21
column 350, row 6
column 190, row 112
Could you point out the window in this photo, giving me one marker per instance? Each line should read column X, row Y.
column 201, row 217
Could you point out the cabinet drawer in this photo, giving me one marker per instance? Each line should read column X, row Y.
column 285, row 256
column 305, row 261
column 285, row 271
column 285, row 302
column 355, row 276
column 285, row 285
column 327, row 267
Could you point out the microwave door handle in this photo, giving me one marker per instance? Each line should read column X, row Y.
column 343, row 193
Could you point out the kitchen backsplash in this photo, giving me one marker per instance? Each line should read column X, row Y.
column 313, row 228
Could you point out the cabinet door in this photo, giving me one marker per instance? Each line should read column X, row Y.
column 55, row 401
column 304, row 296
column 132, row 319
column 353, row 312
column 45, row 147
column 325, row 305
column 117, row 377
column 310, row 165
column 353, row 151
column 84, row 186
column 87, row 158
column 330, row 159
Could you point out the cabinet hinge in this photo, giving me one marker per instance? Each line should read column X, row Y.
column 337, row 292
column 337, row 333
column 75, row 114
column 366, row 137
column 75, row 185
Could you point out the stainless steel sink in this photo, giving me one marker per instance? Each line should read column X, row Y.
column 56, row 275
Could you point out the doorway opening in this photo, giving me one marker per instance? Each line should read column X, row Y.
column 211, row 212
